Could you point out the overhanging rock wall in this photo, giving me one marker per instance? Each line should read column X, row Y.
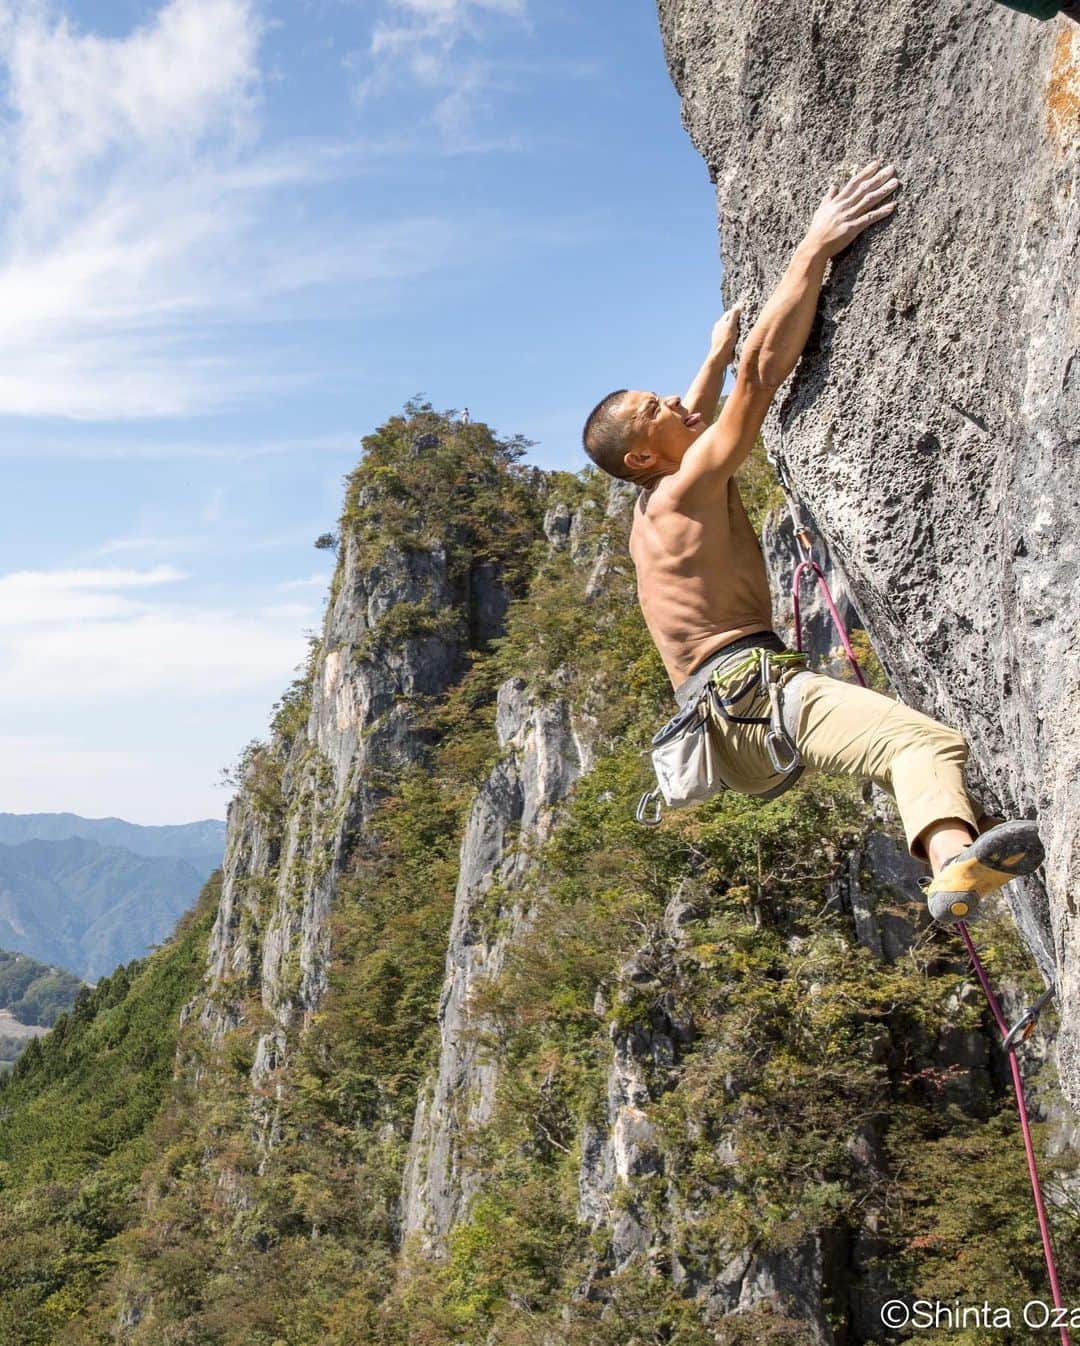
column 933, row 424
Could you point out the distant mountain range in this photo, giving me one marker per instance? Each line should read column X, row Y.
column 201, row 844
column 89, row 893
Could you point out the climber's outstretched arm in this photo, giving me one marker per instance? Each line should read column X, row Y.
column 777, row 338
column 774, row 345
column 704, row 393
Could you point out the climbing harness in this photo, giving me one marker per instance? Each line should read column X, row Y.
column 684, row 755
column 1024, row 1026
column 763, row 666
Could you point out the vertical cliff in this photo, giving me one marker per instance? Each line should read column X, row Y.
column 933, row 423
column 468, row 1057
column 407, row 606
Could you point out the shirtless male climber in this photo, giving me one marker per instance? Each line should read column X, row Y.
column 705, row 596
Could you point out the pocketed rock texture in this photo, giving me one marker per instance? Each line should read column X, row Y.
column 933, row 423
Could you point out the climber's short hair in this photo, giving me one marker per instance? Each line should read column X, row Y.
column 607, row 438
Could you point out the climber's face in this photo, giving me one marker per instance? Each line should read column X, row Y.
column 660, row 430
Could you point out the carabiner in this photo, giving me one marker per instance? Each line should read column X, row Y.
column 1025, row 1025
column 651, row 798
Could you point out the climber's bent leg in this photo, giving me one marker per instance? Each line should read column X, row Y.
column 846, row 729
column 851, row 730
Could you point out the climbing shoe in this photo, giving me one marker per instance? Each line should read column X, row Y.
column 992, row 859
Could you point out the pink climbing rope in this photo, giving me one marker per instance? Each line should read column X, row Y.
column 809, row 564
column 1025, row 1125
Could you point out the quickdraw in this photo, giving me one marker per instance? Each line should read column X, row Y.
column 1025, row 1025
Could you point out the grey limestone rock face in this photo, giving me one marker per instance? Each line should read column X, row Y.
column 305, row 802
column 544, row 750
column 624, row 1157
column 792, row 1278
column 933, row 424
column 513, row 811
column 887, row 909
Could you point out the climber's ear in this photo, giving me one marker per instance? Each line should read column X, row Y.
column 639, row 459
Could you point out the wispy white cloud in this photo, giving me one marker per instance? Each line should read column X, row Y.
column 435, row 46
column 121, row 693
column 79, row 638
column 312, row 582
column 40, row 598
column 412, row 23
column 215, row 542
column 137, row 215
column 171, row 544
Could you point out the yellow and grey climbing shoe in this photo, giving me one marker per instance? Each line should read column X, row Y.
column 992, row 859
column 989, row 863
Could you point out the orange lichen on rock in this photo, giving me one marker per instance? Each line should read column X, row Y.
column 1063, row 92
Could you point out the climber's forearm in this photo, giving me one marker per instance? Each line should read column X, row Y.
column 704, row 392
column 777, row 339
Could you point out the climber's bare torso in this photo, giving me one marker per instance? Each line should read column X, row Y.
column 700, row 574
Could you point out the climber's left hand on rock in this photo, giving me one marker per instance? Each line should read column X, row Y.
column 847, row 211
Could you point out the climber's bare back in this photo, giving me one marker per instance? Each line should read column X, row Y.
column 701, row 577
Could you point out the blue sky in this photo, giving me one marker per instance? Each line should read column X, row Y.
column 235, row 235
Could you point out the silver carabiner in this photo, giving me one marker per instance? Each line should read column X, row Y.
column 649, row 800
column 777, row 736
column 1024, row 1026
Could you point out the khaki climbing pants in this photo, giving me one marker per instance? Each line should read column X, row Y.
column 846, row 729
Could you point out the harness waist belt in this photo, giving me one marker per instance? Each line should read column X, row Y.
column 697, row 681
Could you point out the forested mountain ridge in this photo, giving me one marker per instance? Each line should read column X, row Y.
column 87, row 906
column 200, row 843
column 459, row 1054
column 33, row 992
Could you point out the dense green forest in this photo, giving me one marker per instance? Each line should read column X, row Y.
column 817, row 1090
column 33, row 992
